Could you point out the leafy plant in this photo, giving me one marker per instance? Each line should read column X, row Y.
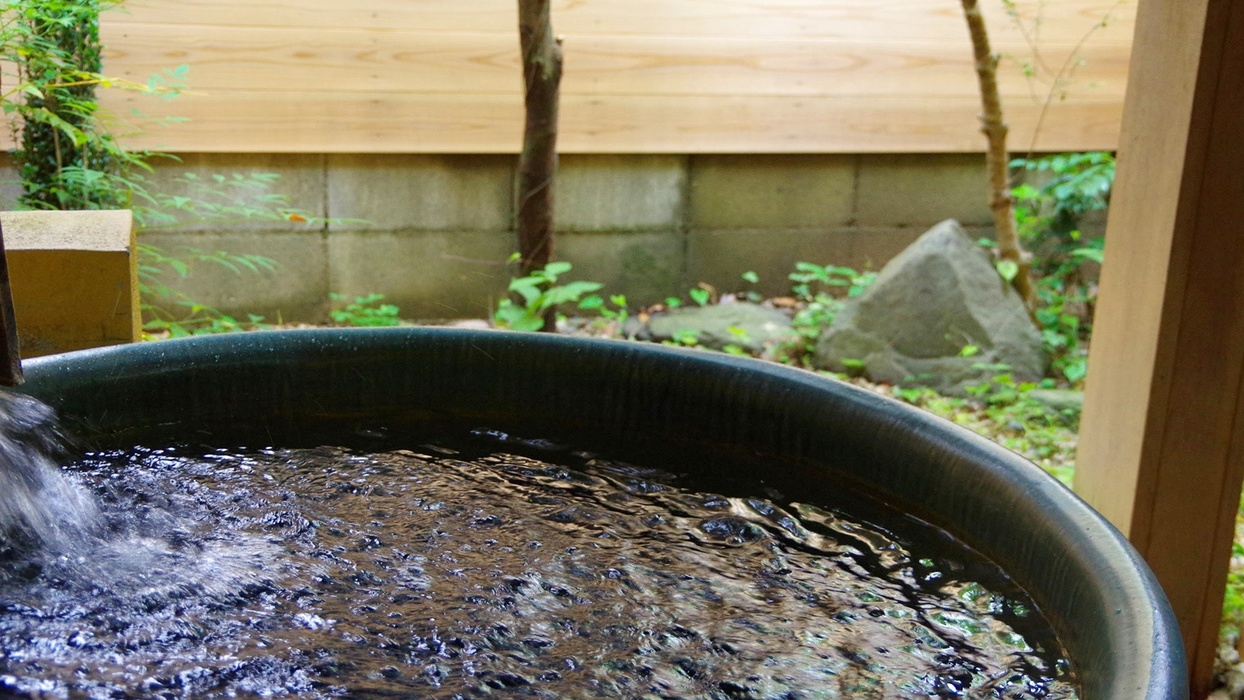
column 611, row 318
column 217, row 198
column 171, row 312
column 540, row 293
column 365, row 311
column 1071, row 185
column 685, row 337
column 1004, row 411
column 1233, row 601
column 820, row 292
column 68, row 157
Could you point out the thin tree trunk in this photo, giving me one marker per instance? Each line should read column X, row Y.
column 997, row 159
column 542, row 72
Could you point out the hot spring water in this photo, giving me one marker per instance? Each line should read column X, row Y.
column 480, row 565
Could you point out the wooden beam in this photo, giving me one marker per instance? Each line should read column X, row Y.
column 1162, row 444
column 641, row 76
column 302, row 122
column 363, row 61
column 931, row 20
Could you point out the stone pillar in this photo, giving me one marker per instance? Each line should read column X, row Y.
column 74, row 276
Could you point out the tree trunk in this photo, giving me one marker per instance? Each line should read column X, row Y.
column 997, row 159
column 542, row 72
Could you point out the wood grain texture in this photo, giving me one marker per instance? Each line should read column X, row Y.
column 282, row 59
column 344, row 123
column 409, row 76
column 788, row 19
column 1162, row 440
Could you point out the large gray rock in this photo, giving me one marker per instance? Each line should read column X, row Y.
column 747, row 325
column 939, row 295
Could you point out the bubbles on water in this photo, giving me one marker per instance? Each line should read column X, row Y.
column 463, row 570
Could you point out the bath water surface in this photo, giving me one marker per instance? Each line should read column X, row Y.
column 483, row 565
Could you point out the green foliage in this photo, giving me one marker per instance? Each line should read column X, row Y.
column 66, row 156
column 1076, row 184
column 685, row 337
column 69, row 159
column 820, row 292
column 607, row 318
column 365, row 311
column 539, row 293
column 1003, row 410
column 1070, row 186
column 170, row 312
column 1233, row 601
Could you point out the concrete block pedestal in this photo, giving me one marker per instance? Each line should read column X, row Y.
column 74, row 276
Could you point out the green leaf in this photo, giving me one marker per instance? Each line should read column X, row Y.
column 751, row 276
column 1008, row 269
column 570, row 292
column 556, row 269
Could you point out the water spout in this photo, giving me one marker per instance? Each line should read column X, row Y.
column 10, row 348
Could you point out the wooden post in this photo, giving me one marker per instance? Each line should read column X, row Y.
column 1162, row 438
column 10, row 347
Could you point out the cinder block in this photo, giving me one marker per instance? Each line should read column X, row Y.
column 428, row 275
column 620, row 192
column 296, row 291
column 300, row 179
column 872, row 248
column 772, row 191
column 74, row 279
column 721, row 257
column 646, row 267
column 921, row 190
column 421, row 192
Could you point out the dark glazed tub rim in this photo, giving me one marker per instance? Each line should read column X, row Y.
column 1103, row 601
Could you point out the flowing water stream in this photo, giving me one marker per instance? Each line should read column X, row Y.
column 479, row 565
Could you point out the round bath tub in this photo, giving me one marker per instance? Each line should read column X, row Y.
column 278, row 387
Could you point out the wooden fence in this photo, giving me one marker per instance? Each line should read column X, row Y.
column 641, row 76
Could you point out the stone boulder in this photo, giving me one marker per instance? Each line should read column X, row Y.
column 750, row 326
column 938, row 296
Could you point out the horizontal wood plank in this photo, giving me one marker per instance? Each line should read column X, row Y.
column 642, row 76
column 788, row 19
column 277, row 59
column 421, row 123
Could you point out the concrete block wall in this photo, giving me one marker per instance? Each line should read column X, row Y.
column 433, row 232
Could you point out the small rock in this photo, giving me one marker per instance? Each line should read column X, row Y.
column 1233, row 682
column 1059, row 399
column 747, row 325
column 471, row 323
column 933, row 300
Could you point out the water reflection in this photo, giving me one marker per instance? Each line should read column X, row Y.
column 472, row 570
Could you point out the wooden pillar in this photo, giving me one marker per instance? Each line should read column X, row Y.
column 1162, row 437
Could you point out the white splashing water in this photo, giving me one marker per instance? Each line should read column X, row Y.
column 39, row 504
